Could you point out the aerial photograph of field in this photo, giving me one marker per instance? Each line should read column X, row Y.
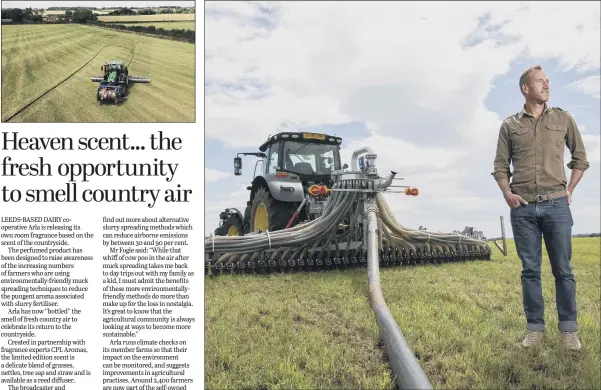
column 90, row 64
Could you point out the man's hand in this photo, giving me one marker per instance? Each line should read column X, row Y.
column 514, row 200
column 569, row 197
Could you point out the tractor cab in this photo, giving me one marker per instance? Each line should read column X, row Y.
column 113, row 73
column 313, row 157
column 115, row 82
column 291, row 186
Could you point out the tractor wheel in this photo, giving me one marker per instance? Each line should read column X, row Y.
column 233, row 226
column 268, row 213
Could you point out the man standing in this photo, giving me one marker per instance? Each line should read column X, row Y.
column 539, row 196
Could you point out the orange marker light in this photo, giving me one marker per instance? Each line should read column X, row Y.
column 316, row 189
column 411, row 192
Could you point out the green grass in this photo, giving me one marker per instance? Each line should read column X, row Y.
column 144, row 18
column 464, row 321
column 167, row 25
column 36, row 57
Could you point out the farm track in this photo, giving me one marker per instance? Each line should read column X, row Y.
column 50, row 82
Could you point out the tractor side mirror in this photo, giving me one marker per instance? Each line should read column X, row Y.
column 237, row 166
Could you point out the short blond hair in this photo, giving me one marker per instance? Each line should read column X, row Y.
column 526, row 73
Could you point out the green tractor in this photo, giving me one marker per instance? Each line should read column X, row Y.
column 292, row 186
column 115, row 82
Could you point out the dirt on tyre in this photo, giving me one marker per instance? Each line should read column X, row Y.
column 269, row 213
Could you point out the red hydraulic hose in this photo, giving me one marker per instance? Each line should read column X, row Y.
column 296, row 213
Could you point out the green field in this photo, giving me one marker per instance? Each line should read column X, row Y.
column 37, row 57
column 464, row 321
column 166, row 25
column 147, row 18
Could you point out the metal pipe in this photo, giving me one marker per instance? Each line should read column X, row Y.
column 386, row 181
column 356, row 153
column 409, row 374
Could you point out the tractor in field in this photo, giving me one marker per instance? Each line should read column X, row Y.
column 115, row 82
column 293, row 166
column 293, row 183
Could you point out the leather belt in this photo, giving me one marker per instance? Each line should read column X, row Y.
column 544, row 197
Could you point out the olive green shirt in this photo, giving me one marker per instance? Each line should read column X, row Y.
column 535, row 148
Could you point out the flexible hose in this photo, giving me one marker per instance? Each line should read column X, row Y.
column 408, row 372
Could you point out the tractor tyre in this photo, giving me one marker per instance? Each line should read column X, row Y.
column 269, row 213
column 233, row 226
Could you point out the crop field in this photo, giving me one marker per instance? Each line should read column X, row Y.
column 463, row 321
column 35, row 58
column 166, row 25
column 147, row 18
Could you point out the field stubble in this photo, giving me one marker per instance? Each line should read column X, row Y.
column 463, row 321
column 37, row 57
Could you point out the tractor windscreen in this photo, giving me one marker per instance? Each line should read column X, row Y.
column 311, row 158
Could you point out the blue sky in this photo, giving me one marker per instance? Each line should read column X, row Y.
column 426, row 85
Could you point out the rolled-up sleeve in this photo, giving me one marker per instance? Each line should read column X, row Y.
column 576, row 146
column 503, row 156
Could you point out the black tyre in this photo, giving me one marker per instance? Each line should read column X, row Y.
column 220, row 232
column 268, row 213
column 233, row 226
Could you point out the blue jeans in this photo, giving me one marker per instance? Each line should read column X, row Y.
column 553, row 221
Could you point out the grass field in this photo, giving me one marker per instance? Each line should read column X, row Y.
column 166, row 25
column 147, row 18
column 464, row 322
column 37, row 57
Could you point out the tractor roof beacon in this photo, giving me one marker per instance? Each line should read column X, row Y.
column 291, row 185
column 115, row 82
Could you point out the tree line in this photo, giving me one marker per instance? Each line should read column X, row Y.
column 18, row 15
column 150, row 11
column 86, row 16
column 80, row 15
column 27, row 15
column 181, row 34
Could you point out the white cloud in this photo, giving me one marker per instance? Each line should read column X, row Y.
column 592, row 144
column 387, row 63
column 416, row 73
column 590, row 85
column 212, row 175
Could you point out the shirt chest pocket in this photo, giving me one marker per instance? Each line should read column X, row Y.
column 521, row 140
column 555, row 136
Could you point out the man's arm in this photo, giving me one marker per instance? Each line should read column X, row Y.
column 501, row 171
column 578, row 164
column 574, row 179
